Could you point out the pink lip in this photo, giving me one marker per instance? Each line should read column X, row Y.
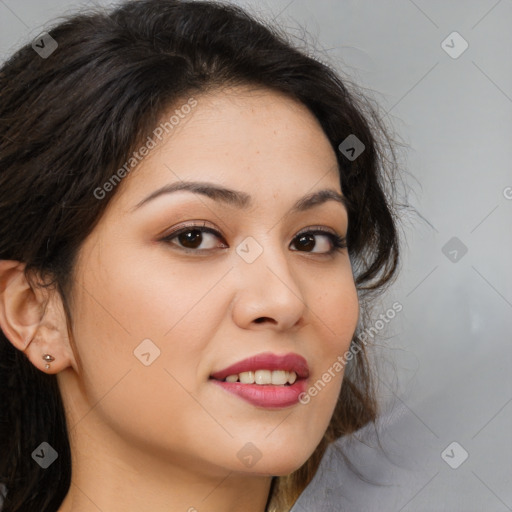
column 267, row 361
column 268, row 396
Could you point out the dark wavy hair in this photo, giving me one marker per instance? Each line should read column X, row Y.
column 68, row 122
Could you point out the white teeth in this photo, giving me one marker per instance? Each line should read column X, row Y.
column 246, row 377
column 279, row 377
column 264, row 377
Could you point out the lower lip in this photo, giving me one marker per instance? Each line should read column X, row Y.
column 268, row 396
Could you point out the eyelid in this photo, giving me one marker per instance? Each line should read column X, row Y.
column 308, row 229
column 190, row 225
column 338, row 242
column 215, row 231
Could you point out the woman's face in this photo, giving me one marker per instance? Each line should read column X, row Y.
column 156, row 314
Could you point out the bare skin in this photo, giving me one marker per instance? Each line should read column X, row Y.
column 164, row 437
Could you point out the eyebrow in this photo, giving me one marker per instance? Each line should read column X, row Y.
column 241, row 199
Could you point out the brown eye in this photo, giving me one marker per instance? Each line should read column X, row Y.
column 306, row 242
column 201, row 238
column 192, row 237
column 319, row 241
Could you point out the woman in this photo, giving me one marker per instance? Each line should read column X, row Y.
column 194, row 218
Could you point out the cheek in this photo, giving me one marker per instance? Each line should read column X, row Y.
column 336, row 312
column 119, row 306
column 145, row 293
column 125, row 310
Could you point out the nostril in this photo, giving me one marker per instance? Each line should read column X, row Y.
column 261, row 319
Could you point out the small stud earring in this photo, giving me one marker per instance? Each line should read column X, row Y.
column 49, row 358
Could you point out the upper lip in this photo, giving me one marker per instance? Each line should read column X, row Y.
column 267, row 361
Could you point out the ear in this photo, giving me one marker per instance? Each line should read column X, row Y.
column 33, row 319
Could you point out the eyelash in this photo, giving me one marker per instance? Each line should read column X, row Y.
column 338, row 242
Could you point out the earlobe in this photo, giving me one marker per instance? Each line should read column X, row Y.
column 33, row 321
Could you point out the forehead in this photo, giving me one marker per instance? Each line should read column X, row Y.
column 249, row 139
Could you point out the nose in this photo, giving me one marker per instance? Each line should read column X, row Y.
column 267, row 291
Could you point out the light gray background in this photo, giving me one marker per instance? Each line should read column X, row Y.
column 445, row 363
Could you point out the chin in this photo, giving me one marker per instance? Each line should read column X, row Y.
column 278, row 466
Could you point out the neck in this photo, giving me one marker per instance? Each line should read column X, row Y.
column 122, row 482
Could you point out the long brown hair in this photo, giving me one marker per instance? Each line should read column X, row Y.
column 68, row 122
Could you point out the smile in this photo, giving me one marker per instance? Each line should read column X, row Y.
column 266, row 380
column 264, row 377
